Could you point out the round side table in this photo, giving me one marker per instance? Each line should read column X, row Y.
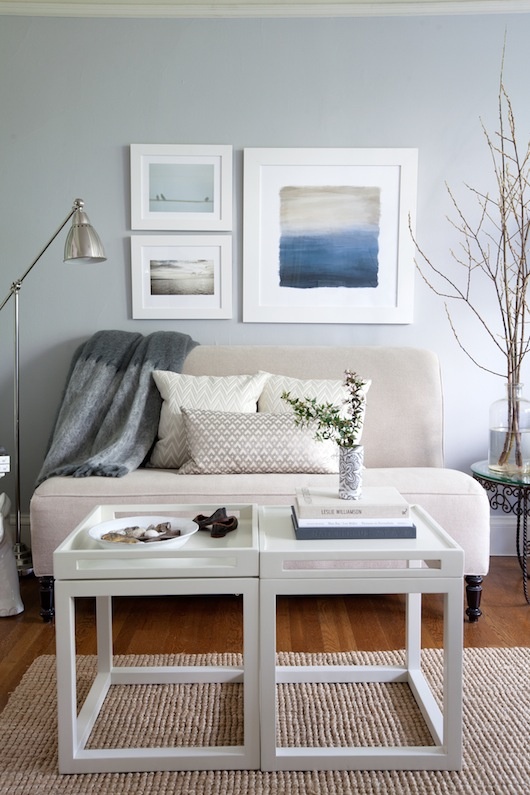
column 512, row 495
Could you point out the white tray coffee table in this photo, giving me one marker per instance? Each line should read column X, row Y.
column 430, row 563
column 228, row 565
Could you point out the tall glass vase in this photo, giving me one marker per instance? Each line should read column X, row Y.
column 351, row 463
column 509, row 445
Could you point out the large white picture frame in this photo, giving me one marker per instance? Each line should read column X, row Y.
column 181, row 188
column 180, row 277
column 326, row 235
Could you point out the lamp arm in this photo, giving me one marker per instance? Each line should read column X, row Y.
column 15, row 287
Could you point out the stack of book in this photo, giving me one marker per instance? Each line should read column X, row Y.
column 381, row 512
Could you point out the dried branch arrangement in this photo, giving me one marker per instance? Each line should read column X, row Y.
column 492, row 259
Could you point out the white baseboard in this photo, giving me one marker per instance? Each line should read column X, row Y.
column 503, row 534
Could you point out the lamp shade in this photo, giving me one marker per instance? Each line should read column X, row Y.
column 83, row 243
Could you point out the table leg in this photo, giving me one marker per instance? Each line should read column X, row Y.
column 104, row 633
column 453, row 660
column 413, row 630
column 522, row 542
column 524, row 552
column 66, row 676
column 267, row 622
column 520, row 513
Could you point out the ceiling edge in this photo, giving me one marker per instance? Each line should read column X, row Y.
column 263, row 10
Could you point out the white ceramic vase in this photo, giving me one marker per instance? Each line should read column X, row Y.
column 351, row 463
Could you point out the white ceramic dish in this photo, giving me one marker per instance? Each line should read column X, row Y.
column 186, row 526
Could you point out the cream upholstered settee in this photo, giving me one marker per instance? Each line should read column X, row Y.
column 402, row 437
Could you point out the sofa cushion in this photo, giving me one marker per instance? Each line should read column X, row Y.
column 227, row 442
column 323, row 390
column 238, row 393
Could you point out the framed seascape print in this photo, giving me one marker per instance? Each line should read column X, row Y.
column 181, row 188
column 326, row 235
column 181, row 277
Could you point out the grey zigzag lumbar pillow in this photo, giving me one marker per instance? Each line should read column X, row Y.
column 230, row 443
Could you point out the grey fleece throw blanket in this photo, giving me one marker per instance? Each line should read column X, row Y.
column 108, row 417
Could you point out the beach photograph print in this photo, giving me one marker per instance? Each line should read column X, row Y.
column 181, row 276
column 329, row 236
column 181, row 187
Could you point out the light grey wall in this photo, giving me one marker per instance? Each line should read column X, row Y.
column 74, row 93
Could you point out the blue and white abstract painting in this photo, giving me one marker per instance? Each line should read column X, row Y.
column 329, row 236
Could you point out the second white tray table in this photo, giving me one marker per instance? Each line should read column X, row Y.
column 431, row 563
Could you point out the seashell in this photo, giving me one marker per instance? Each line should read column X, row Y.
column 163, row 527
column 151, row 532
column 164, row 536
column 135, row 532
column 119, row 537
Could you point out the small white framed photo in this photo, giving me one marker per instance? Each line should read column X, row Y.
column 181, row 188
column 181, row 277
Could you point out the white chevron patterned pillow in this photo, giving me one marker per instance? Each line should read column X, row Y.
column 229, row 443
column 323, row 390
column 237, row 393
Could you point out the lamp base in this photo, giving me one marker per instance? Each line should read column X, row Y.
column 23, row 559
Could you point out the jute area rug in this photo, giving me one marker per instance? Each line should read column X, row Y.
column 496, row 729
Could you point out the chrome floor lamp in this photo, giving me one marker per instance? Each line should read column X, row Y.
column 82, row 245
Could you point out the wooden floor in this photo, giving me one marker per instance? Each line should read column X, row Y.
column 206, row 624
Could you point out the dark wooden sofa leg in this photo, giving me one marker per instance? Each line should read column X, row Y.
column 47, row 602
column 474, row 594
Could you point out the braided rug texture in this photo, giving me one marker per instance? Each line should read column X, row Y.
column 496, row 729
